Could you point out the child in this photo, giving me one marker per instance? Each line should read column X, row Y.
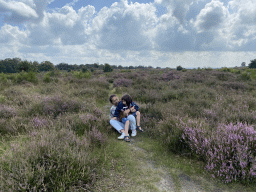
column 132, row 107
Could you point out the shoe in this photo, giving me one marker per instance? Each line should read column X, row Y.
column 122, row 136
column 134, row 133
column 141, row 130
column 126, row 138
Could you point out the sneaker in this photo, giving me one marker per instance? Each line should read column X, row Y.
column 122, row 136
column 134, row 133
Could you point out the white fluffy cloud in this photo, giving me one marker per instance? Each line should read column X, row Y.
column 125, row 26
column 212, row 16
column 64, row 27
column 23, row 10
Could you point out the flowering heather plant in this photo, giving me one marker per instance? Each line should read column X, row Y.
column 96, row 137
column 169, row 76
column 37, row 122
column 55, row 106
column 229, row 151
column 7, row 112
column 47, row 161
column 122, row 82
column 99, row 82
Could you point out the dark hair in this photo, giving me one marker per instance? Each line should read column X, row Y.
column 128, row 99
column 110, row 98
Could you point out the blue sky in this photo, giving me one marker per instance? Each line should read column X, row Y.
column 158, row 33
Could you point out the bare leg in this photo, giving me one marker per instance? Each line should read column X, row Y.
column 138, row 118
column 126, row 127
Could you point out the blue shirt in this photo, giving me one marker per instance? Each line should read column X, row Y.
column 121, row 106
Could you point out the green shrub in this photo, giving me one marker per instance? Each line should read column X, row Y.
column 47, row 78
column 245, row 76
column 80, row 74
column 30, row 76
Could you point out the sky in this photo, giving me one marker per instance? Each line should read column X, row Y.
column 158, row 33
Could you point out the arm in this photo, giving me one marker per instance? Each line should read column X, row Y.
column 117, row 111
column 135, row 106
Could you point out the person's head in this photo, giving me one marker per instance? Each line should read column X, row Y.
column 126, row 100
column 114, row 100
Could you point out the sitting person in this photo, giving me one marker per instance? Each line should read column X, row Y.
column 119, row 126
column 128, row 105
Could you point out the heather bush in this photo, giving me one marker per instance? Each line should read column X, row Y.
column 14, row 125
column 235, row 85
column 96, row 137
column 122, row 82
column 54, row 106
column 229, row 151
column 171, row 135
column 194, row 77
column 48, row 161
column 7, row 112
column 100, row 82
column 39, row 122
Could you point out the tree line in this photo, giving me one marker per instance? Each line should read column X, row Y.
column 16, row 65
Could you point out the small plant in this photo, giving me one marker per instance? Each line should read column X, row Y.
column 122, row 82
column 7, row 112
column 245, row 76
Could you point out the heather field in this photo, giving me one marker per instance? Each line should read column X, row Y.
column 56, row 136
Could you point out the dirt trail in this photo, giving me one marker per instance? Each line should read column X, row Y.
column 167, row 183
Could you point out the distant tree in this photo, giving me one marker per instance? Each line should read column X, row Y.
column 158, row 68
column 243, row 64
column 179, row 68
column 11, row 64
column 46, row 66
column 107, row 68
column 131, row 67
column 252, row 64
column 2, row 67
column 63, row 66
column 95, row 65
column 24, row 66
column 120, row 67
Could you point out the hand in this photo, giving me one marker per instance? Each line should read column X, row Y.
column 132, row 109
column 126, row 112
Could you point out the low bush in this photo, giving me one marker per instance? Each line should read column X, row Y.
column 7, row 112
column 54, row 106
column 122, row 82
column 229, row 151
column 48, row 161
column 81, row 74
column 24, row 76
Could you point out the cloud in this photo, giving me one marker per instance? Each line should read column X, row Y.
column 17, row 12
column 12, row 35
column 63, row 27
column 178, row 9
column 23, row 10
column 211, row 16
column 125, row 26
